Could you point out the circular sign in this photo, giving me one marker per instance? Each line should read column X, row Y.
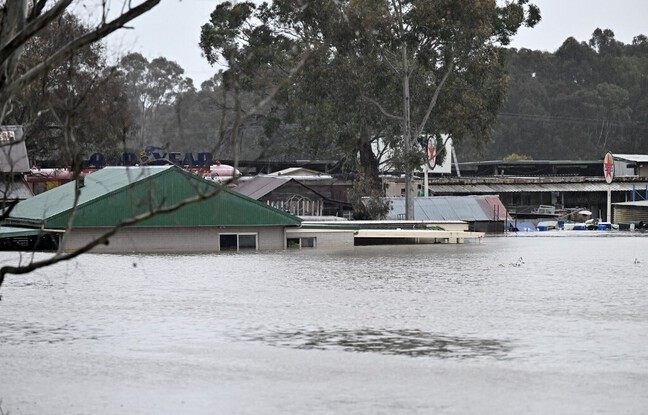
column 608, row 168
column 431, row 148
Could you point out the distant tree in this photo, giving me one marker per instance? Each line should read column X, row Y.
column 583, row 100
column 151, row 86
column 517, row 157
column 260, row 65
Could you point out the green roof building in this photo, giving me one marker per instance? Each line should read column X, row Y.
column 219, row 219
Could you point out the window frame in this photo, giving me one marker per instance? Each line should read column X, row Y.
column 238, row 240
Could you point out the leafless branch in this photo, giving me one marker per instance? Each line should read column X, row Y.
column 37, row 24
column 103, row 238
column 69, row 49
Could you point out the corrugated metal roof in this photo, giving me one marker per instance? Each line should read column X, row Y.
column 638, row 203
column 97, row 185
column 637, row 158
column 114, row 194
column 299, row 171
column 464, row 208
column 260, row 186
column 534, row 187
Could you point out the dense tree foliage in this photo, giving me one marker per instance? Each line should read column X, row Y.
column 374, row 69
column 349, row 92
column 583, row 100
column 151, row 87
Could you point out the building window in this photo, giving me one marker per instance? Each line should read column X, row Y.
column 237, row 241
column 301, row 243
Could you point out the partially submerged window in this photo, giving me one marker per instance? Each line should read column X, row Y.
column 247, row 241
column 301, row 243
column 237, row 241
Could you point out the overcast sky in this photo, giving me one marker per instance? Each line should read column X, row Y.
column 172, row 29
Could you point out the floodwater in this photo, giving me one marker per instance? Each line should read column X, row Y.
column 512, row 325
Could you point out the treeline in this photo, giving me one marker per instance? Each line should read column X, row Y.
column 578, row 103
column 127, row 106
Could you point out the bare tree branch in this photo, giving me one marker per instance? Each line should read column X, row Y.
column 380, row 107
column 103, row 238
column 36, row 25
column 69, row 49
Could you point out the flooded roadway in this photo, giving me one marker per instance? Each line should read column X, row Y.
column 512, row 325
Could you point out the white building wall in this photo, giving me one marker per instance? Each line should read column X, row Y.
column 172, row 240
column 325, row 239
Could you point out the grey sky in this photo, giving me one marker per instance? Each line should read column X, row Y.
column 172, row 29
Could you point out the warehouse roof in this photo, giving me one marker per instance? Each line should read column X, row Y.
column 260, row 186
column 464, row 208
column 494, row 188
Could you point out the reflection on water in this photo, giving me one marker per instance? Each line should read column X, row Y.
column 25, row 333
column 413, row 343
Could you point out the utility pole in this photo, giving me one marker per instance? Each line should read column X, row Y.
column 407, row 138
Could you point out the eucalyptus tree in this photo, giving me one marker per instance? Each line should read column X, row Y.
column 398, row 70
column 151, row 85
column 259, row 64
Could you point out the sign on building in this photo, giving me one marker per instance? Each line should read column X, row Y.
column 438, row 158
column 13, row 151
column 608, row 168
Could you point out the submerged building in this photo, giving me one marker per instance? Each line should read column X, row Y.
column 217, row 219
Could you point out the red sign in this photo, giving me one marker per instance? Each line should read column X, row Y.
column 608, row 168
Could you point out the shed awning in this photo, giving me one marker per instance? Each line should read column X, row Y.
column 13, row 232
column 495, row 188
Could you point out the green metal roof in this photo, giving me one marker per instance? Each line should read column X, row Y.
column 114, row 194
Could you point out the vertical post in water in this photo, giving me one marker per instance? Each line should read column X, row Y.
column 608, row 173
column 609, row 205
column 426, row 176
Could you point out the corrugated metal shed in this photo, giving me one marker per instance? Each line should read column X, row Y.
column 628, row 212
column 535, row 187
column 260, row 186
column 464, row 208
column 114, row 194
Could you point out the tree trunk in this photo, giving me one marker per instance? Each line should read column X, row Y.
column 368, row 167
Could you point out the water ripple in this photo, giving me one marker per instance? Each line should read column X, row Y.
column 20, row 333
column 412, row 343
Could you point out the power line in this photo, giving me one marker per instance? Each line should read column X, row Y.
column 573, row 120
